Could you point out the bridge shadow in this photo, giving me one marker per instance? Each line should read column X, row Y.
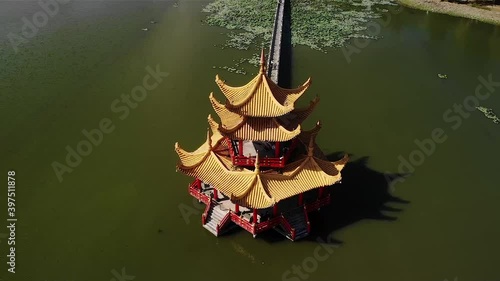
column 285, row 71
column 363, row 194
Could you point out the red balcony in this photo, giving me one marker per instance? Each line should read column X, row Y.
column 249, row 161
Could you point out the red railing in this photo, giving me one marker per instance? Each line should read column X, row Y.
column 263, row 226
column 318, row 203
column 195, row 191
column 313, row 206
column 242, row 222
column 205, row 214
column 274, row 162
column 223, row 222
column 196, row 184
column 307, row 220
column 263, row 162
column 288, row 227
column 198, row 195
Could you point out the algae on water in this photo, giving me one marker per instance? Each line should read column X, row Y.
column 318, row 24
column 251, row 19
column 488, row 112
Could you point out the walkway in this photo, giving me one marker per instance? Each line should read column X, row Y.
column 274, row 59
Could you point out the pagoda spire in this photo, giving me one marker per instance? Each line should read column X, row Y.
column 310, row 148
column 262, row 61
column 209, row 139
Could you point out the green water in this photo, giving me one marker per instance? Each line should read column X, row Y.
column 120, row 207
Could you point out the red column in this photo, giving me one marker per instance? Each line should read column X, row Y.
column 277, row 150
column 254, row 215
column 237, row 208
column 275, row 210
column 321, row 192
column 290, row 149
column 240, row 148
column 293, row 146
column 301, row 199
column 215, row 194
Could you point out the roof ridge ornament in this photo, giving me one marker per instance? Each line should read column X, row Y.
column 209, row 139
column 262, row 62
column 310, row 149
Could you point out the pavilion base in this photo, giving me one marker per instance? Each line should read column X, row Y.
column 219, row 212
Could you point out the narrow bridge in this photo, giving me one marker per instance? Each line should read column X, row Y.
column 279, row 58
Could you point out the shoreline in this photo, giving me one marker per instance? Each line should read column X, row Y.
column 455, row 9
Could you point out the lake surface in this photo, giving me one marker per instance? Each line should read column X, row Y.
column 119, row 210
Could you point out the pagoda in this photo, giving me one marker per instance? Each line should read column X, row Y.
column 257, row 168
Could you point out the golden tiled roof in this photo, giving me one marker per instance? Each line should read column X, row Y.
column 261, row 97
column 228, row 118
column 297, row 116
column 289, row 121
column 256, row 189
column 256, row 129
column 305, row 137
column 189, row 159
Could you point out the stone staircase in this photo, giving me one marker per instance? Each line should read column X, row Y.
column 214, row 217
column 297, row 220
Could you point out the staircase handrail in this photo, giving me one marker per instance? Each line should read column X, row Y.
column 205, row 213
column 223, row 221
column 307, row 220
column 287, row 225
column 196, row 183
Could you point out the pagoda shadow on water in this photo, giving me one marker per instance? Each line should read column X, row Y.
column 257, row 168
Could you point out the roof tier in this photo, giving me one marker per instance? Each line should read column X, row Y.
column 289, row 121
column 305, row 137
column 256, row 129
column 258, row 189
column 261, row 97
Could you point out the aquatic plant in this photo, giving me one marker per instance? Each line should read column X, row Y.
column 251, row 18
column 488, row 112
column 319, row 24
column 241, row 41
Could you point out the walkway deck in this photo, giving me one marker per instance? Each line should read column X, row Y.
column 275, row 50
